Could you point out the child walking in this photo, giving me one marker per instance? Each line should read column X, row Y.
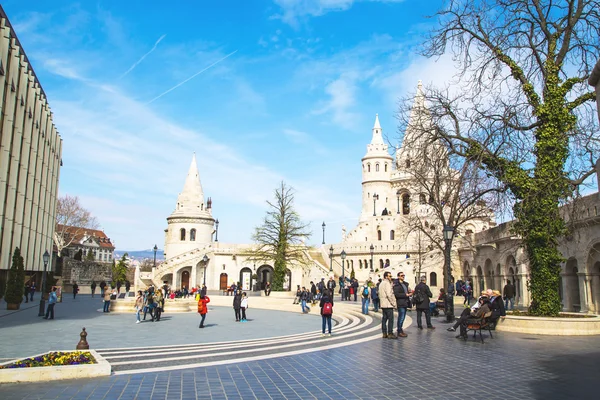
column 203, row 309
column 244, row 305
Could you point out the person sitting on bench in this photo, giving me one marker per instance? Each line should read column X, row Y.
column 478, row 314
column 466, row 314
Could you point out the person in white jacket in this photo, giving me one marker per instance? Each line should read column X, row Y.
column 244, row 306
column 388, row 303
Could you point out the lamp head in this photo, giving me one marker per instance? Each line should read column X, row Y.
column 46, row 257
column 343, row 255
column 205, row 259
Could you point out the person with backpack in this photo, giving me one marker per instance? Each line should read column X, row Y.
column 421, row 297
column 365, row 298
column 203, row 309
column 326, row 305
column 402, row 294
column 237, row 305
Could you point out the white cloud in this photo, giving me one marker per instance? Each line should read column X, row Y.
column 135, row 64
column 293, row 10
column 342, row 99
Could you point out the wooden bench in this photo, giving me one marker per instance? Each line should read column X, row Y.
column 476, row 325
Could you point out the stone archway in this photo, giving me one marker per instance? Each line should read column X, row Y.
column 593, row 272
column 265, row 274
column 489, row 278
column 480, row 283
column 246, row 278
column 466, row 271
column 185, row 279
column 287, row 281
column 571, row 286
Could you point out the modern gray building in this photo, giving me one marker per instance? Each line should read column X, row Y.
column 30, row 158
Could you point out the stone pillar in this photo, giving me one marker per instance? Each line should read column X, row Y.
column 595, row 281
column 566, row 297
column 582, row 292
column 176, row 279
column 193, row 277
column 588, row 295
column 525, row 299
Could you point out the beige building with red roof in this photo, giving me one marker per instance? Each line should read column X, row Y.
column 88, row 241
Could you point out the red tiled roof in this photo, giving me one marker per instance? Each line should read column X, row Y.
column 79, row 233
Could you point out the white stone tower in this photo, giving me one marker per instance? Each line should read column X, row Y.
column 191, row 224
column 376, row 175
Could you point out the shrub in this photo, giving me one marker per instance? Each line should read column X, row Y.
column 16, row 279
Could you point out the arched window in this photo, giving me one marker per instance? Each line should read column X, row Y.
column 392, row 234
column 378, row 235
column 351, row 263
column 422, row 198
column 406, row 204
column 407, row 163
column 368, row 167
column 387, row 263
column 430, row 199
column 192, row 235
column 433, row 279
column 182, row 234
column 380, row 263
column 385, row 167
column 376, row 167
column 360, row 264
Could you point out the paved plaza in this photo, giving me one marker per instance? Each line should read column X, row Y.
column 173, row 359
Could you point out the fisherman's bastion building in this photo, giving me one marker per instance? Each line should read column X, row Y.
column 484, row 252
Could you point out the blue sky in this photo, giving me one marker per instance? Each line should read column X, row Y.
column 295, row 101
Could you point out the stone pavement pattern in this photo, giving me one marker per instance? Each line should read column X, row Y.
column 510, row 366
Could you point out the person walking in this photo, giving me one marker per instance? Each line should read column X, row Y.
column 32, row 290
column 365, row 298
column 468, row 293
column 304, row 297
column 244, row 306
column 102, row 286
column 203, row 309
column 267, row 289
column 159, row 300
column 26, row 290
column 355, row 287
column 52, row 299
column 331, row 285
column 422, row 295
column 75, row 290
column 93, row 287
column 388, row 303
column 139, row 305
column 509, row 295
column 402, row 294
column 106, row 299
column 237, row 305
column 313, row 293
column 326, row 304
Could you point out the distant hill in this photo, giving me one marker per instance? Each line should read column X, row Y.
column 141, row 254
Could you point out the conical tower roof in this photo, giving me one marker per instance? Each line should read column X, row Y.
column 190, row 201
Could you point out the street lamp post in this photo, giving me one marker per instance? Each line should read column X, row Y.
column 217, row 230
column 46, row 258
column 155, row 250
column 331, row 259
column 375, row 198
column 343, row 256
column 323, row 232
column 372, row 248
column 448, row 235
column 205, row 261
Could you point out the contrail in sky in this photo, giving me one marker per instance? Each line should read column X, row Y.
column 144, row 56
column 191, row 77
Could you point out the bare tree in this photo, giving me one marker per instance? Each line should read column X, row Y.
column 281, row 236
column 524, row 110
column 451, row 191
column 72, row 220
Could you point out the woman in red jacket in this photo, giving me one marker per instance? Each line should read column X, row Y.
column 203, row 309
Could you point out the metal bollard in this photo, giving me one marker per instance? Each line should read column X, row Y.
column 83, row 344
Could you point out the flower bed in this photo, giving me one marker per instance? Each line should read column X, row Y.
column 54, row 359
column 55, row 365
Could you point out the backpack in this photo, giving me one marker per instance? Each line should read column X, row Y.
column 327, row 308
column 418, row 297
column 201, row 307
column 365, row 292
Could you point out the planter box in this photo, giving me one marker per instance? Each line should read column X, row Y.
column 588, row 325
column 40, row 374
column 13, row 306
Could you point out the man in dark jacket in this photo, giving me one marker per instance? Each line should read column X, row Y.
column 422, row 295
column 375, row 297
column 313, row 292
column 509, row 295
column 355, row 286
column 321, row 286
column 331, row 286
column 401, row 293
column 237, row 305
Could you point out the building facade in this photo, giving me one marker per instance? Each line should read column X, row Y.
column 30, row 158
column 88, row 241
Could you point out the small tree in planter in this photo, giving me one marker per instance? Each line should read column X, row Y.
column 16, row 279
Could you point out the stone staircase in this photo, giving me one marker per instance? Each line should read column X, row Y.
column 183, row 258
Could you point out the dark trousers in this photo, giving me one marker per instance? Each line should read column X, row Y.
column 237, row 314
column 387, row 321
column 106, row 306
column 463, row 317
column 148, row 310
column 157, row 313
column 50, row 311
column 244, row 313
column 427, row 317
column 355, row 299
column 202, row 320
column 326, row 323
column 32, row 293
